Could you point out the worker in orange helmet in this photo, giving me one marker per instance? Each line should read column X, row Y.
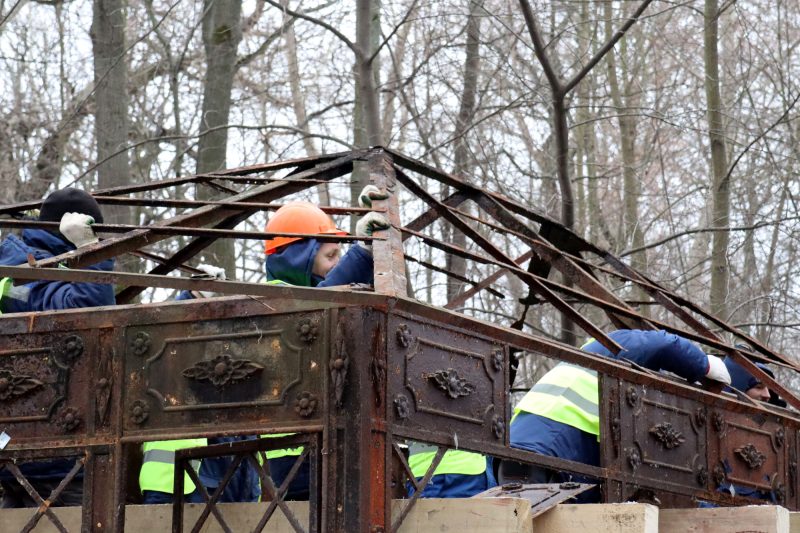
column 307, row 262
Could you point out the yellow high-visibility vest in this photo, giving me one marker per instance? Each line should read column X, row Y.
column 287, row 452
column 158, row 465
column 567, row 394
column 4, row 283
column 420, row 457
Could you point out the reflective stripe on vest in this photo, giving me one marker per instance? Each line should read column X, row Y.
column 567, row 394
column 287, row 452
column 4, row 283
column 9, row 291
column 158, row 465
column 164, row 456
column 420, row 457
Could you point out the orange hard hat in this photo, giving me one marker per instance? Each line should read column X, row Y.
column 298, row 217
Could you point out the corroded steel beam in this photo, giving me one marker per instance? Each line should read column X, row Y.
column 189, row 231
column 211, row 214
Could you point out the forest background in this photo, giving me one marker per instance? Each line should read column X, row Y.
column 663, row 130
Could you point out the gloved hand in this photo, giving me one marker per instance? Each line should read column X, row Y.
column 209, row 272
column 212, row 271
column 370, row 193
column 77, row 228
column 367, row 225
column 717, row 370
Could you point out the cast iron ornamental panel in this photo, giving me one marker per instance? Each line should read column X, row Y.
column 444, row 379
column 190, row 372
column 663, row 436
column 43, row 383
column 752, row 451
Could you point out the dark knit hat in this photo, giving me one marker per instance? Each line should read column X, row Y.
column 69, row 201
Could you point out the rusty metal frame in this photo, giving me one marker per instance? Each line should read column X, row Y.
column 374, row 354
column 247, row 451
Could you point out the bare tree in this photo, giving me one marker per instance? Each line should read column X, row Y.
column 111, row 101
column 720, row 188
column 221, row 35
column 461, row 151
column 559, row 89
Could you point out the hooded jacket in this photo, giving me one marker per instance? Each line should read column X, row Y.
column 743, row 380
column 51, row 295
column 293, row 265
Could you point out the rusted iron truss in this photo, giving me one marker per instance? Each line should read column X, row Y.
column 353, row 372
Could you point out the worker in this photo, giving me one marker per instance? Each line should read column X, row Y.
column 745, row 382
column 311, row 263
column 559, row 416
column 75, row 211
column 460, row 474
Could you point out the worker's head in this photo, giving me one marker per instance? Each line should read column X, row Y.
column 69, row 200
column 742, row 380
column 302, row 260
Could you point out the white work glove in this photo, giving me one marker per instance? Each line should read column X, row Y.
column 212, row 271
column 77, row 228
column 367, row 225
column 370, row 193
column 209, row 271
column 717, row 370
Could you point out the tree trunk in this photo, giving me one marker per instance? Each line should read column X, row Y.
column 461, row 153
column 221, row 35
column 299, row 101
column 111, row 97
column 720, row 190
column 366, row 113
column 632, row 233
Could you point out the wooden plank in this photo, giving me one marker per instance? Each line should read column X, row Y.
column 498, row 515
column 467, row 515
column 753, row 518
column 794, row 522
column 606, row 518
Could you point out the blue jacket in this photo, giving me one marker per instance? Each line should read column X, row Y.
column 51, row 295
column 656, row 350
column 294, row 262
column 244, row 486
